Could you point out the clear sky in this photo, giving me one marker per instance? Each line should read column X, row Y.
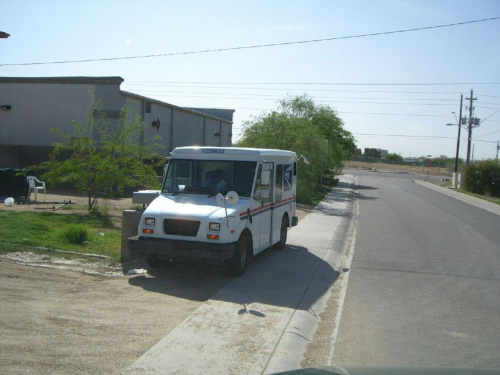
column 394, row 91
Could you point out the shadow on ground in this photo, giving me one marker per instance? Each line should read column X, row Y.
column 293, row 277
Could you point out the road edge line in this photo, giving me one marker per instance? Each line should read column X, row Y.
column 349, row 251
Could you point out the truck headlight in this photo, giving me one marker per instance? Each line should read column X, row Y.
column 149, row 221
column 214, row 227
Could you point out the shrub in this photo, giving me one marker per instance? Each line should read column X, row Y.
column 76, row 234
column 483, row 177
column 102, row 214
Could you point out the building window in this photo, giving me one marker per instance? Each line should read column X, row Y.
column 147, row 107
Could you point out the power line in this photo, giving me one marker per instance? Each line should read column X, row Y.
column 359, row 113
column 331, row 83
column 255, row 46
column 190, row 85
column 490, row 115
column 313, row 97
column 392, row 114
column 480, row 140
column 291, row 89
column 404, row 136
column 489, row 96
column 484, row 135
column 321, row 99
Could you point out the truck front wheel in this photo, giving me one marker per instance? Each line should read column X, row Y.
column 283, row 234
column 153, row 261
column 238, row 263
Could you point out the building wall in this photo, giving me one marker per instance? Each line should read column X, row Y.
column 188, row 129
column 39, row 104
column 181, row 126
column 36, row 108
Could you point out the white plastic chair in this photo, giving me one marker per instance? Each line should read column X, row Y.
column 32, row 180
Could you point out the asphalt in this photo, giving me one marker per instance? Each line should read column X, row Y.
column 262, row 321
column 481, row 203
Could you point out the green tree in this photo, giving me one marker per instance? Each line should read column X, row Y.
column 102, row 157
column 372, row 153
column 394, row 157
column 314, row 132
column 441, row 160
column 483, row 177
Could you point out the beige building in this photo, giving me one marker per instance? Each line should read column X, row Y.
column 30, row 107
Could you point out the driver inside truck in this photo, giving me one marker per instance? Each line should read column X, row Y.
column 219, row 182
column 209, row 180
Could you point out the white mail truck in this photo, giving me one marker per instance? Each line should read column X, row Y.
column 220, row 204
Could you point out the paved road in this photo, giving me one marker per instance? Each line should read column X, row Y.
column 424, row 282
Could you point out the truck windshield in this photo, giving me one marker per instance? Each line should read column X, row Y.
column 209, row 177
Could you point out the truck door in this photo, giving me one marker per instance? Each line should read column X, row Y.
column 263, row 204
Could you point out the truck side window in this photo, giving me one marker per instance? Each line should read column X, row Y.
column 258, row 185
column 264, row 183
column 279, row 182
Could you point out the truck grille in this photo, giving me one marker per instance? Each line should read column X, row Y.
column 181, row 227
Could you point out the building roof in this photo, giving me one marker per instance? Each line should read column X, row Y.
column 225, row 115
column 197, row 111
column 113, row 80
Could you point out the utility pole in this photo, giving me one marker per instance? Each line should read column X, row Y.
column 471, row 122
column 498, row 147
column 459, row 127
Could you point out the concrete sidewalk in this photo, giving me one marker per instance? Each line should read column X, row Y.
column 261, row 322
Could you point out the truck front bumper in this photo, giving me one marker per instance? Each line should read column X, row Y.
column 174, row 249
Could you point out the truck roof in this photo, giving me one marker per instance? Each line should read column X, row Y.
column 234, row 151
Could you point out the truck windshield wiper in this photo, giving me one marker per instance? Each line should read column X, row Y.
column 179, row 192
column 191, row 191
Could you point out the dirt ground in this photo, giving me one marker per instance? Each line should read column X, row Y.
column 77, row 204
column 435, row 171
column 67, row 320
column 54, row 202
column 85, row 317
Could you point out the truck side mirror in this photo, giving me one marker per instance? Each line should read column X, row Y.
column 264, row 195
column 265, row 177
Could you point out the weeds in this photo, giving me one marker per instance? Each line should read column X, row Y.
column 76, row 234
column 102, row 214
column 50, row 231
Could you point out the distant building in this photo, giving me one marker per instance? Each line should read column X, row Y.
column 30, row 107
column 375, row 153
column 383, row 153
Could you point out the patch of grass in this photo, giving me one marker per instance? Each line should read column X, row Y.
column 104, row 218
column 49, row 230
column 484, row 197
column 70, row 207
column 319, row 194
column 329, row 182
column 76, row 234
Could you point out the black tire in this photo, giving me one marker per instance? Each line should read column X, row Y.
column 283, row 234
column 239, row 262
column 153, row 261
